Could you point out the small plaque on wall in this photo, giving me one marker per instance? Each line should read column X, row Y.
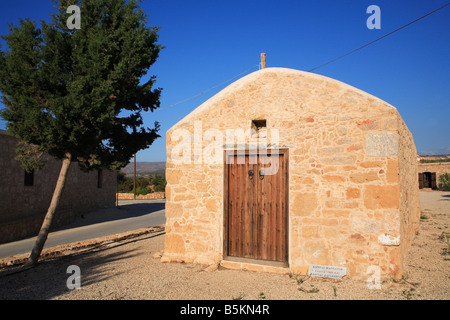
column 326, row 271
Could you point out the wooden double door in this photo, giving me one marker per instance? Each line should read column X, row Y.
column 427, row 180
column 256, row 210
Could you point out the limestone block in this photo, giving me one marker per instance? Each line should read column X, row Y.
column 174, row 243
column 365, row 225
column 392, row 171
column 303, row 204
column 388, row 240
column 381, row 144
column 353, row 193
column 381, row 196
column 363, row 177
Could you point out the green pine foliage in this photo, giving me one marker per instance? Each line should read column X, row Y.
column 79, row 92
column 144, row 185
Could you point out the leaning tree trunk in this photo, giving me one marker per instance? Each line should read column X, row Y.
column 45, row 228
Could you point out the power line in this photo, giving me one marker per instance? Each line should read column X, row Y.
column 203, row 92
column 378, row 38
column 320, row 66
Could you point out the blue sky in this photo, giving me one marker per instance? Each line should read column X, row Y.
column 209, row 42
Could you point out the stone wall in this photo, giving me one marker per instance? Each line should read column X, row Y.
column 409, row 194
column 346, row 152
column 22, row 208
column 130, row 196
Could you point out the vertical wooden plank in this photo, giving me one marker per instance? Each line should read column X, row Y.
column 235, row 215
column 261, row 199
column 271, row 185
column 251, row 205
column 229, row 222
column 232, row 209
column 283, row 210
column 267, row 183
column 245, row 220
column 239, row 194
column 226, row 204
column 258, row 226
column 264, row 210
column 243, row 197
column 276, row 200
column 242, row 194
column 255, row 214
column 248, row 209
column 286, row 206
column 279, row 209
column 255, row 208
column 227, row 212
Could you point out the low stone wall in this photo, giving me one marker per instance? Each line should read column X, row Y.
column 130, row 196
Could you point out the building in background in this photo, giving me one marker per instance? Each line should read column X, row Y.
column 430, row 169
column 26, row 196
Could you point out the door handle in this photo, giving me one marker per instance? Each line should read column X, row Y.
column 251, row 173
column 261, row 174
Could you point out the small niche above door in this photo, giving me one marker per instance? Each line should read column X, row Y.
column 259, row 128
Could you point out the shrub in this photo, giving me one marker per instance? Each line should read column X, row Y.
column 125, row 185
column 444, row 179
column 142, row 190
column 144, row 185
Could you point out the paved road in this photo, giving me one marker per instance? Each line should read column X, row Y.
column 130, row 215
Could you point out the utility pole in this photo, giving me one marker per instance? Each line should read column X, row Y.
column 263, row 60
column 134, row 184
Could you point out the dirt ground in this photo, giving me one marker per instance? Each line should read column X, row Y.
column 127, row 270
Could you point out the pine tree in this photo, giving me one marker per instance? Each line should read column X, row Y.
column 77, row 94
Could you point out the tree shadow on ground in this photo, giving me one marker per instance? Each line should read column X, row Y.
column 49, row 278
column 124, row 211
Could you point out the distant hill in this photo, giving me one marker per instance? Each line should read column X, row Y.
column 433, row 159
column 437, row 152
column 143, row 168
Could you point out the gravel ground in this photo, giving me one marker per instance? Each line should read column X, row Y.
column 127, row 270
